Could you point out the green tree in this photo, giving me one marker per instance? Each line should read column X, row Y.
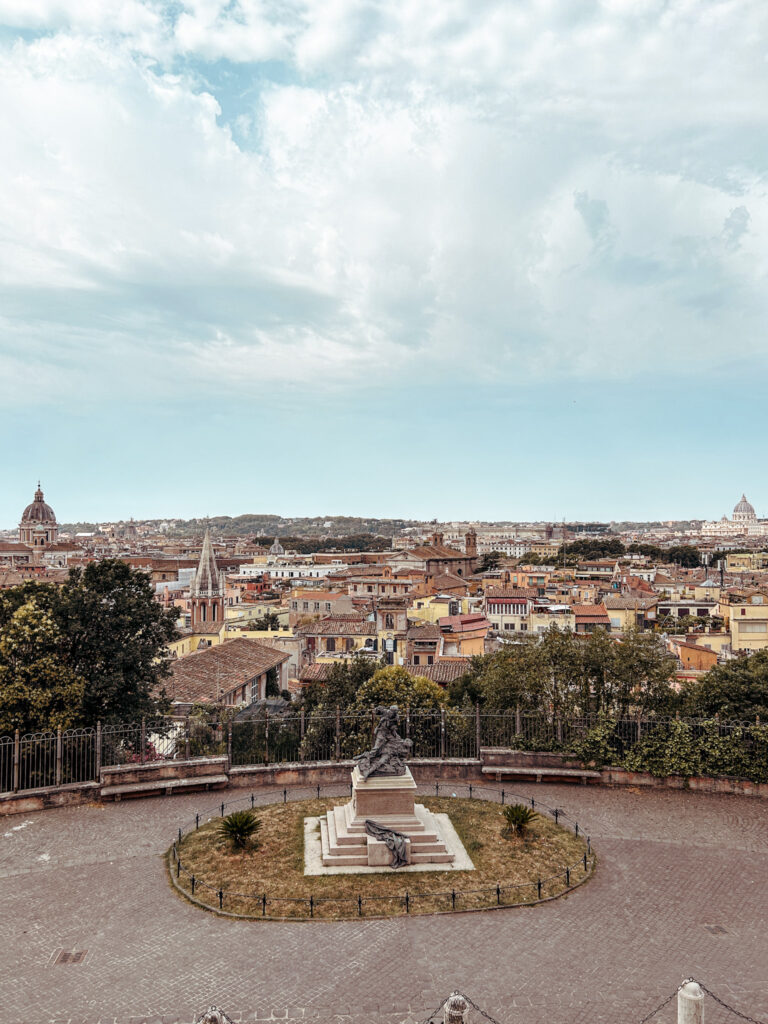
column 738, row 689
column 395, row 685
column 490, row 561
column 38, row 690
column 117, row 636
column 340, row 688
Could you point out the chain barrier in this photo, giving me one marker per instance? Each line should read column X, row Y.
column 660, row 1007
column 213, row 1015
column 529, row 893
column 725, row 1005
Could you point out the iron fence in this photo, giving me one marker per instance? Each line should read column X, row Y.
column 48, row 759
column 503, row 893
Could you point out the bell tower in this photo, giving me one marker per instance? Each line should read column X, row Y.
column 206, row 593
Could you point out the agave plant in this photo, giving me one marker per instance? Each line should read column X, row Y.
column 239, row 827
column 518, row 818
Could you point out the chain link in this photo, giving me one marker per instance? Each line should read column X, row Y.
column 727, row 1007
column 481, row 1012
column 661, row 1006
column 437, row 1009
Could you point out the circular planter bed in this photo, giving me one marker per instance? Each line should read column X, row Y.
column 268, row 881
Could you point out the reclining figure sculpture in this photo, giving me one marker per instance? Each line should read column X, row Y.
column 389, row 751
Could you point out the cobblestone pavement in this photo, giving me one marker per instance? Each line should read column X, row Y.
column 681, row 890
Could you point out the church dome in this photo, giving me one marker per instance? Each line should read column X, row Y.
column 277, row 548
column 743, row 507
column 38, row 511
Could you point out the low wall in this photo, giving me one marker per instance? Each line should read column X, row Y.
column 322, row 773
column 325, row 773
column 693, row 783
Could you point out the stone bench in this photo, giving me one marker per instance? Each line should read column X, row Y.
column 163, row 777
column 561, row 774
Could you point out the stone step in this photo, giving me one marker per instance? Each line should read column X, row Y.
column 339, row 826
column 335, row 841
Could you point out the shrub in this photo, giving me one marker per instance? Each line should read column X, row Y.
column 518, row 818
column 239, row 827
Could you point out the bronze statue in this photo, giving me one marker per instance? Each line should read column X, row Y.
column 394, row 841
column 389, row 751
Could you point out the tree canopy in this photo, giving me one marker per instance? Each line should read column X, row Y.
column 101, row 647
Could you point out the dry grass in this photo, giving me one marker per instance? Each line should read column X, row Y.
column 276, row 868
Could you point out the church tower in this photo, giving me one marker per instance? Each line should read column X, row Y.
column 206, row 593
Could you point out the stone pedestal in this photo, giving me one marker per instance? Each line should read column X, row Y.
column 389, row 801
column 383, row 796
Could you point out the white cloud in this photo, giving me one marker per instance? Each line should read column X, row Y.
column 502, row 191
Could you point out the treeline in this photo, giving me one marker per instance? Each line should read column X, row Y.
column 561, row 674
column 685, row 555
column 351, row 542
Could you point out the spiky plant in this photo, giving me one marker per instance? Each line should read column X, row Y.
column 239, row 828
column 518, row 818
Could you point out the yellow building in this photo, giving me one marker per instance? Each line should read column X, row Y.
column 746, row 561
column 745, row 616
column 197, row 638
column 430, row 609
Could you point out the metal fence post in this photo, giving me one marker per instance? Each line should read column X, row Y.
column 477, row 729
column 229, row 743
column 97, row 767
column 302, row 729
column 338, row 733
column 518, row 721
column 143, row 739
column 442, row 734
column 58, row 756
column 266, row 735
column 16, row 760
column 186, row 738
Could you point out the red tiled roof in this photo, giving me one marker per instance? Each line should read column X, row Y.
column 591, row 613
column 209, row 675
column 446, row 670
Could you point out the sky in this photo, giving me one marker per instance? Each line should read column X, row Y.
column 464, row 259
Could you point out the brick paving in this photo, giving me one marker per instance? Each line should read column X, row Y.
column 680, row 891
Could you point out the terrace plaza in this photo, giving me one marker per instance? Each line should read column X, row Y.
column 680, row 890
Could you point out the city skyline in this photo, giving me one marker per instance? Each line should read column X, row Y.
column 287, row 515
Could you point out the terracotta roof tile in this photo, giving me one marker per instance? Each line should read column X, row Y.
column 208, row 675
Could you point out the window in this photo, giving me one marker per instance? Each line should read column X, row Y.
column 753, row 627
column 370, row 589
column 389, row 621
column 509, row 626
column 305, row 606
column 524, row 626
column 416, row 659
column 317, row 606
column 330, row 643
column 430, row 659
column 327, row 606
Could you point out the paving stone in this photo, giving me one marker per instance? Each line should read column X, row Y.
column 679, row 891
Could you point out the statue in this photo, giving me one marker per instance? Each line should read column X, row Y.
column 389, row 751
column 395, row 841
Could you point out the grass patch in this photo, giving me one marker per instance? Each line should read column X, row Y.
column 276, row 868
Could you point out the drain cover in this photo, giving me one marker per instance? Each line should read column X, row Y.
column 71, row 956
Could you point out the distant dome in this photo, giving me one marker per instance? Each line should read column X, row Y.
column 38, row 511
column 743, row 507
column 277, row 548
